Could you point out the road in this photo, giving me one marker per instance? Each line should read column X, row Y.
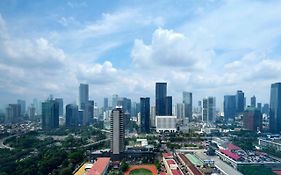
column 3, row 140
column 222, row 166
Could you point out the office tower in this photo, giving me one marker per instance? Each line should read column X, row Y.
column 252, row 119
column 91, row 105
column 160, row 99
column 117, row 133
column 80, row 116
column 83, row 95
column 145, row 115
column 60, row 102
column 114, row 100
column 84, row 103
column 71, row 115
column 229, row 108
column 105, row 104
column 259, row 106
column 240, row 102
column 152, row 116
column 168, row 105
column 205, row 110
column 126, row 104
column 36, row 105
column 134, row 109
column 209, row 109
column 275, row 108
column 265, row 109
column 187, row 101
column 32, row 113
column 50, row 114
column 22, row 106
column 13, row 113
column 253, row 101
column 180, row 111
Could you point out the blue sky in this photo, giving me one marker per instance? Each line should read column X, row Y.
column 208, row 47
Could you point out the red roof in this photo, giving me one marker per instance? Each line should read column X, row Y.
column 277, row 172
column 99, row 166
column 170, row 162
column 230, row 154
column 232, row 147
column 192, row 168
column 167, row 155
column 176, row 172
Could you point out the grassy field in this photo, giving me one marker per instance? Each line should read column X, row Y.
column 141, row 172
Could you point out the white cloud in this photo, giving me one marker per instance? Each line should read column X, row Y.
column 120, row 21
column 169, row 48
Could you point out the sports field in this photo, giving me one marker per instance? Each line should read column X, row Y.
column 141, row 170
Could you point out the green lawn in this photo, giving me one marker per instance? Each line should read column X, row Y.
column 141, row 172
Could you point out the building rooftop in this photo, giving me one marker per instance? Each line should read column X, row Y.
column 232, row 147
column 230, row 154
column 99, row 166
column 167, row 155
column 176, row 172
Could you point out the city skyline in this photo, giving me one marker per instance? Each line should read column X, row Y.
column 49, row 48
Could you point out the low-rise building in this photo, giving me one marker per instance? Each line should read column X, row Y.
column 166, row 124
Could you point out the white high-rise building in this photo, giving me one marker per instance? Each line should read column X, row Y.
column 117, row 132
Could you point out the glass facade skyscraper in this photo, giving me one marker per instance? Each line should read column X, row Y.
column 253, row 101
column 240, row 102
column 83, row 95
column 50, row 114
column 187, row 101
column 229, row 107
column 168, row 105
column 275, row 108
column 145, row 115
column 71, row 115
column 161, row 93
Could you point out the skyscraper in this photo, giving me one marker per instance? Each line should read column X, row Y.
column 161, row 93
column 60, row 102
column 229, row 107
column 253, row 101
column 259, row 106
column 187, row 101
column 13, row 112
column 275, row 108
column 265, row 109
column 71, row 115
column 83, row 95
column 22, row 107
column 169, row 105
column 252, row 119
column 180, row 111
column 117, row 133
column 84, row 102
column 145, row 115
column 114, row 100
column 152, row 116
column 50, row 114
column 105, row 104
column 240, row 102
column 209, row 109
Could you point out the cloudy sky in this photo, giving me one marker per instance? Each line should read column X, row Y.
column 211, row 48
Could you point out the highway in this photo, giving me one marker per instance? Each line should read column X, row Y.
column 2, row 142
